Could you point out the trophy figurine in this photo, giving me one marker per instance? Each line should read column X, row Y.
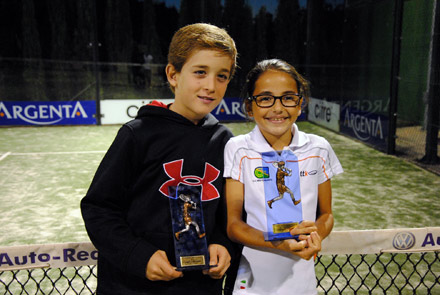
column 187, row 206
column 284, row 215
column 282, row 172
column 188, row 227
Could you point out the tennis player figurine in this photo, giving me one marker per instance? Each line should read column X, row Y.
column 188, row 206
column 282, row 172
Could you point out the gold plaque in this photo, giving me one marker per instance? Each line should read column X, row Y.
column 192, row 260
column 284, row 227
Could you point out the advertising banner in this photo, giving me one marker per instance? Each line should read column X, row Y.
column 324, row 113
column 230, row 110
column 113, row 111
column 49, row 255
column 405, row 240
column 47, row 113
column 120, row 111
column 370, row 128
column 380, row 241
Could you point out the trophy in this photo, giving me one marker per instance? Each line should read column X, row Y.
column 188, row 227
column 283, row 213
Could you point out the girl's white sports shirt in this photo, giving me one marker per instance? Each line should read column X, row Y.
column 250, row 159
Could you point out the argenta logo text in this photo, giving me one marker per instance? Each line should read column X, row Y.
column 46, row 113
column 363, row 127
column 234, row 109
column 404, row 241
column 261, row 172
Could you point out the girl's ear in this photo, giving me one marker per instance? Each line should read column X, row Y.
column 248, row 107
column 171, row 73
column 301, row 106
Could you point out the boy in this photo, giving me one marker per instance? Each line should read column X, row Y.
column 126, row 210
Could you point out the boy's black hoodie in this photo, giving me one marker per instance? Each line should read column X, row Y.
column 126, row 215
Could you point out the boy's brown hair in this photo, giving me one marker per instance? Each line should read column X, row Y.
column 197, row 37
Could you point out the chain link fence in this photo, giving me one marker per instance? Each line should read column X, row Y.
column 384, row 273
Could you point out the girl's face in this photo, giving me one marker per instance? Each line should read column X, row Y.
column 275, row 122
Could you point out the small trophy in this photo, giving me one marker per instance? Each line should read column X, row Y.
column 283, row 214
column 188, row 227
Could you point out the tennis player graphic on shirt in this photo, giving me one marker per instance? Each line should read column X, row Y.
column 282, row 172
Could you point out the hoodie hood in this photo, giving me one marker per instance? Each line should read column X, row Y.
column 159, row 109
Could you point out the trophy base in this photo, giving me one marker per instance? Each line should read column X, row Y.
column 281, row 231
column 193, row 262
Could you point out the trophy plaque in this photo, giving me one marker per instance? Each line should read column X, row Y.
column 188, row 227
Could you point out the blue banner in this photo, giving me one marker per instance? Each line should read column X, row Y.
column 230, row 110
column 47, row 112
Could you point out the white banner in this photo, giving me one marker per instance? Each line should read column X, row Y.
column 381, row 241
column 338, row 242
column 324, row 113
column 120, row 111
column 49, row 255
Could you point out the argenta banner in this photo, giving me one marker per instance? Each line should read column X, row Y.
column 370, row 128
column 47, row 113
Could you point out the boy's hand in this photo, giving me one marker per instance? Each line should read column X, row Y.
column 159, row 268
column 219, row 256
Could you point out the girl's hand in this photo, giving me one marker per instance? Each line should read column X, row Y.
column 304, row 229
column 313, row 246
column 290, row 245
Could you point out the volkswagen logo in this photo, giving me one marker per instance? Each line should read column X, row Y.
column 404, row 241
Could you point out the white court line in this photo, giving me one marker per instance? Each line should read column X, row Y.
column 54, row 153
column 4, row 156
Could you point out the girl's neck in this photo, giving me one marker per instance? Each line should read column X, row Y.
column 278, row 143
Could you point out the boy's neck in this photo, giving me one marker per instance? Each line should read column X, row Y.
column 172, row 107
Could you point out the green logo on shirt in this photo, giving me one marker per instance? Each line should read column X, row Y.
column 261, row 172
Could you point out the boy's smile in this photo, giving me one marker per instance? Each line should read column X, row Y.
column 201, row 84
column 275, row 122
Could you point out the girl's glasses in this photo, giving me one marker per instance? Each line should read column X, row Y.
column 266, row 100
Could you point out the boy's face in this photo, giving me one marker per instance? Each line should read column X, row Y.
column 201, row 84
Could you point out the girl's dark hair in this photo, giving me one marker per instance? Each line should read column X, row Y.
column 274, row 65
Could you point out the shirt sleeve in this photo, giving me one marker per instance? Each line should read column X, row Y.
column 332, row 166
column 105, row 204
column 232, row 161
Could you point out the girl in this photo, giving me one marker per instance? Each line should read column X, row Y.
column 277, row 167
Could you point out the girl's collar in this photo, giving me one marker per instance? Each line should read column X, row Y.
column 260, row 144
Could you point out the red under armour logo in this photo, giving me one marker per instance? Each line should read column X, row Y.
column 174, row 171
